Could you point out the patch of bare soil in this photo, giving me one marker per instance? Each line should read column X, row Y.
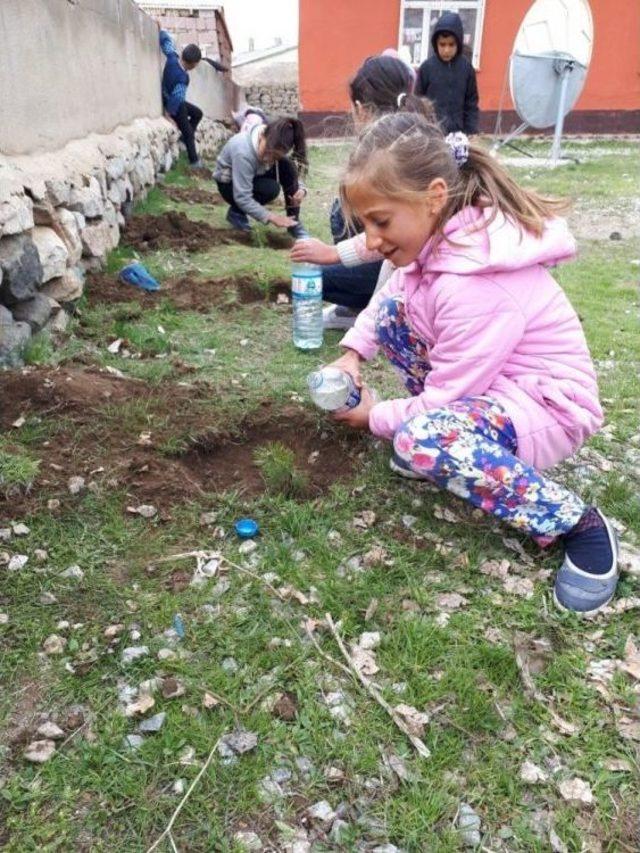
column 192, row 195
column 188, row 292
column 115, row 432
column 174, row 230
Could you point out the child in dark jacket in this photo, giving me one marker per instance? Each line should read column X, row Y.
column 175, row 80
column 448, row 78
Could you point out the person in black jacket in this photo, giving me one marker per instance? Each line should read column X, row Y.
column 448, row 78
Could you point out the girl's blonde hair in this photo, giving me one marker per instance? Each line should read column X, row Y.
column 400, row 154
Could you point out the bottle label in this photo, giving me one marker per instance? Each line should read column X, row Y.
column 306, row 286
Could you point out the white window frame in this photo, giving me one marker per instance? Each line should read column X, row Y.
column 441, row 6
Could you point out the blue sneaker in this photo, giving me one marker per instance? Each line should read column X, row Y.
column 585, row 592
column 138, row 276
column 239, row 221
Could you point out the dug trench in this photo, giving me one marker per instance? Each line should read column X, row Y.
column 188, row 292
column 162, row 445
column 174, row 230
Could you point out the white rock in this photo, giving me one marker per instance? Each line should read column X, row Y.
column 17, row 562
column 576, row 790
column 54, row 644
column 4, row 618
column 74, row 572
column 52, row 251
column 134, row 653
column 39, row 751
column 532, row 774
column 87, row 200
column 369, row 640
column 50, row 731
column 322, row 813
column 21, row 529
column 96, row 240
column 48, row 598
column 247, row 547
column 248, row 840
column 75, row 485
column 41, row 555
column 469, row 825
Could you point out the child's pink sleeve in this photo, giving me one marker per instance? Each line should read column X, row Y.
column 361, row 337
column 353, row 252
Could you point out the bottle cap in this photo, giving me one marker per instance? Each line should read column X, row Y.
column 246, row 528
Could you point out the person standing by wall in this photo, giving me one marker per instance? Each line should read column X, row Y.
column 448, row 78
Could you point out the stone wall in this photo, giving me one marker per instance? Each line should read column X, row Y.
column 85, row 140
column 61, row 213
column 274, row 99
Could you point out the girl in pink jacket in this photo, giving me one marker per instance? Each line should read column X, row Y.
column 486, row 342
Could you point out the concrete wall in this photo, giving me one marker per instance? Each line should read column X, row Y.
column 73, row 67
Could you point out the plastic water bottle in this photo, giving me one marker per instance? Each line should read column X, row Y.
column 333, row 389
column 306, row 292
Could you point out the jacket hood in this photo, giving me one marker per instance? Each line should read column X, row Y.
column 501, row 246
column 449, row 22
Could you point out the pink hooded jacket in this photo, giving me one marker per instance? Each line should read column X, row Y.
column 496, row 324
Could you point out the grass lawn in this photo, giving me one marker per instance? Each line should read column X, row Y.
column 184, row 411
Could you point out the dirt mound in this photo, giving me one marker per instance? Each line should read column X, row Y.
column 188, row 292
column 192, row 195
column 174, row 230
column 162, row 445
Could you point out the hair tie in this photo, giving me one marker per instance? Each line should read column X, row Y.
column 401, row 99
column 459, row 144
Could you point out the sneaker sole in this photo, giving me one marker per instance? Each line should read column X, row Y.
column 585, row 613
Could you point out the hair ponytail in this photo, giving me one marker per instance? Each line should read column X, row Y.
column 399, row 155
column 283, row 135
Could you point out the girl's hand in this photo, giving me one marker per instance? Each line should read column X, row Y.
column 357, row 418
column 281, row 221
column 298, row 197
column 350, row 363
column 313, row 251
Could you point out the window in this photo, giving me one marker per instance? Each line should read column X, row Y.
column 418, row 18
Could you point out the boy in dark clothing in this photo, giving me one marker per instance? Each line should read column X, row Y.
column 175, row 80
column 449, row 79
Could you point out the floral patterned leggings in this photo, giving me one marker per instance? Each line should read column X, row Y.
column 469, row 446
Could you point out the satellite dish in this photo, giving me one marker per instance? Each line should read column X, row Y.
column 549, row 64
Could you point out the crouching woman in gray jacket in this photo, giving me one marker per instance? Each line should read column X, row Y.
column 254, row 165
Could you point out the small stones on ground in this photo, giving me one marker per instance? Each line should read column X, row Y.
column 112, row 631
column 76, row 485
column 230, row 666
column 339, row 831
column 144, row 510
column 166, row 654
column 451, row 601
column 141, row 705
column 281, row 775
column 247, row 547
column 39, row 751
column 178, row 787
column 132, row 653
column 172, row 688
column 209, row 701
column 41, row 555
column 415, row 720
column 5, row 534
column 576, row 790
column 53, row 504
column 152, row 724
column 519, row 586
column 4, row 618
column 73, row 572
column 208, row 518
column 187, row 757
column 17, row 562
column 248, row 841
column 132, row 741
column 238, row 742
column 532, row 774
column 364, row 520
column 50, row 731
column 409, row 520
column 21, row 529
column 369, row 640
column 469, row 825
column 54, row 644
column 322, row 813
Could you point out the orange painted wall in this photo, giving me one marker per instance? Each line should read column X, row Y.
column 336, row 35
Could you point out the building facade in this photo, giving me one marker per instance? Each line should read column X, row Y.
column 200, row 22
column 335, row 37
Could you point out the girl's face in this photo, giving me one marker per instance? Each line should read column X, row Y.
column 398, row 229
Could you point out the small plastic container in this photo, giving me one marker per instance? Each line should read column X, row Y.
column 246, row 528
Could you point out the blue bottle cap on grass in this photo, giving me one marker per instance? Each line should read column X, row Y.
column 246, row 528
